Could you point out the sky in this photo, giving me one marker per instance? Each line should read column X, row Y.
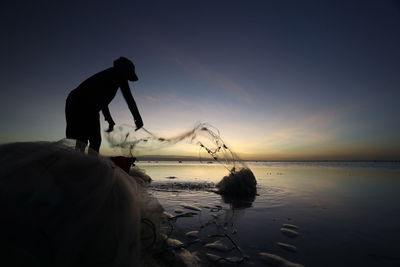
column 281, row 80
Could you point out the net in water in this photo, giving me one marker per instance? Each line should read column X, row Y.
column 240, row 181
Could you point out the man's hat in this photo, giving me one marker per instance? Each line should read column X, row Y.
column 126, row 67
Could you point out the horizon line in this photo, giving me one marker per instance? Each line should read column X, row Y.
column 191, row 158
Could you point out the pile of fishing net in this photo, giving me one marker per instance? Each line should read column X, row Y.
column 60, row 207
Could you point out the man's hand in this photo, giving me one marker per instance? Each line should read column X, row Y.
column 110, row 127
column 139, row 124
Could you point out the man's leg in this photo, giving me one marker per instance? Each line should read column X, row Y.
column 95, row 135
column 76, row 125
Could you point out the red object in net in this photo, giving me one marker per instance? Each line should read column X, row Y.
column 124, row 163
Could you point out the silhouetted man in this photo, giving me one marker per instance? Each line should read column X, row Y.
column 94, row 94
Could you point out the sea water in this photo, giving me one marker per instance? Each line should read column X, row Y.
column 346, row 213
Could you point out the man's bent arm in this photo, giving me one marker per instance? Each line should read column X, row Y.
column 126, row 92
column 107, row 115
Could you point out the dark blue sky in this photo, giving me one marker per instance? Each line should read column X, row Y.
column 280, row 79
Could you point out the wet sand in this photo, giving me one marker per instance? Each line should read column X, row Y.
column 314, row 214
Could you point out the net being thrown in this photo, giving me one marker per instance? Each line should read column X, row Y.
column 203, row 135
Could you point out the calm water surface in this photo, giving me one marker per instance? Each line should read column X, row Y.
column 348, row 213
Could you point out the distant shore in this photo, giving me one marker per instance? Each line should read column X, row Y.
column 182, row 158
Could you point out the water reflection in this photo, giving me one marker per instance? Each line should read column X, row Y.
column 338, row 209
column 239, row 203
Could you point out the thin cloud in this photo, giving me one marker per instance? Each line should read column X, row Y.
column 194, row 67
column 217, row 78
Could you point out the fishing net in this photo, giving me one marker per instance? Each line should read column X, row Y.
column 203, row 135
column 240, row 182
column 65, row 208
